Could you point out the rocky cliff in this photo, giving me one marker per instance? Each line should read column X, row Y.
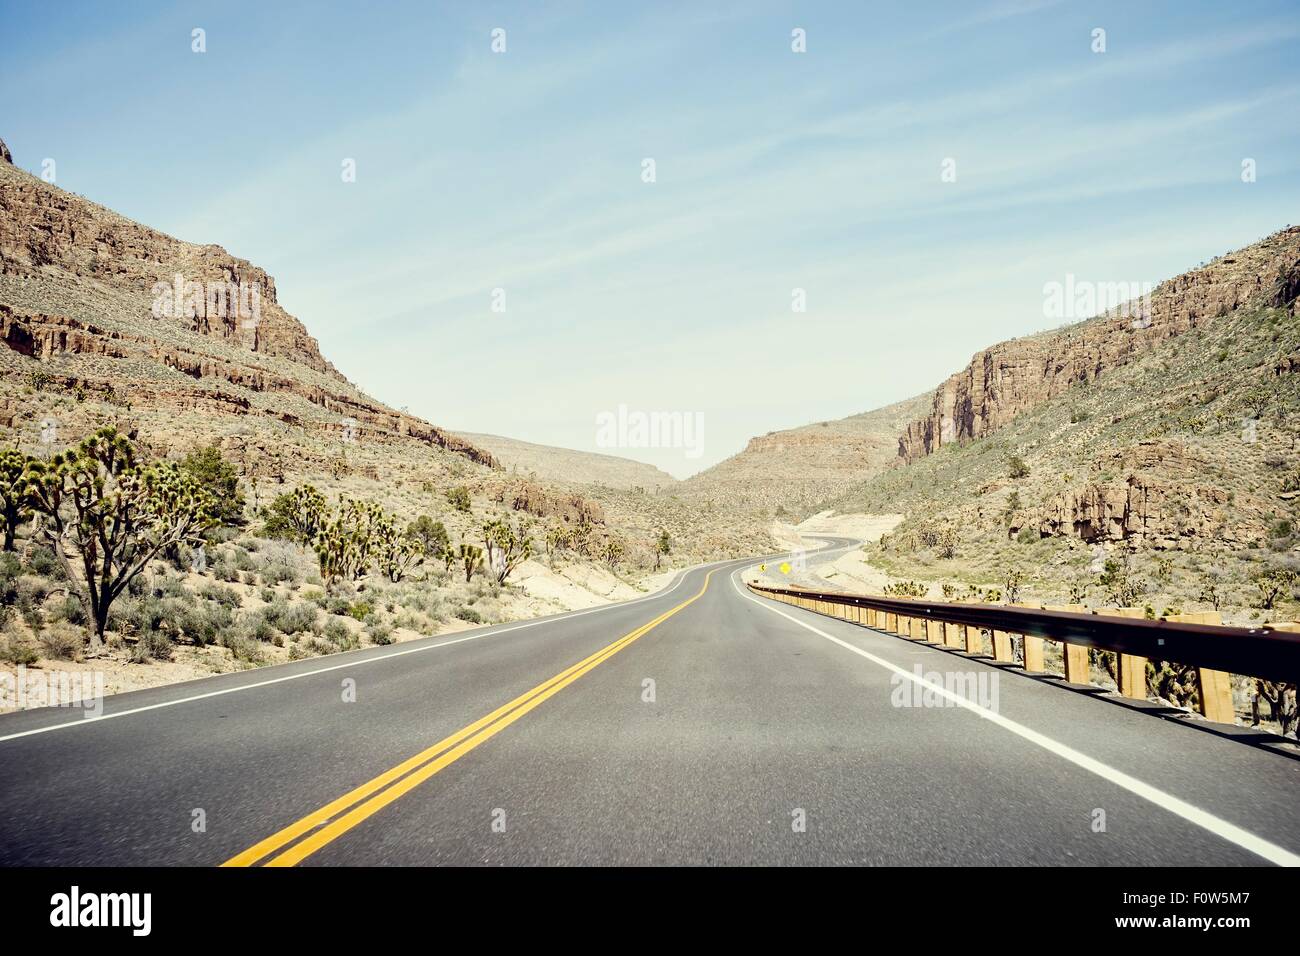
column 96, row 306
column 1010, row 378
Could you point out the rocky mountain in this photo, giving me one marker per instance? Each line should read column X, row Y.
column 1010, row 378
column 104, row 320
column 96, row 306
column 548, row 463
column 1168, row 444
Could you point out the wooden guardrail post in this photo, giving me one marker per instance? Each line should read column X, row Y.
column 1130, row 669
column 954, row 635
column 1002, row 650
column 1074, row 656
column 932, row 631
column 1033, row 649
column 917, row 628
column 1215, row 686
column 902, row 627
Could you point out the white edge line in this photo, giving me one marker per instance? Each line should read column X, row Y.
column 1166, row 801
column 87, row 721
column 492, row 632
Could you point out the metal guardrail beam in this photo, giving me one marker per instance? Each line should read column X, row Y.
column 1254, row 651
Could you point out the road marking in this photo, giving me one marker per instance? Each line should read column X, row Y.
column 1166, row 801
column 372, row 796
column 85, row 721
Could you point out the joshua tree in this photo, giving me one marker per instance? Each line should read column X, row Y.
column 106, row 517
column 346, row 544
column 1273, row 584
column 1121, row 588
column 471, row 559
column 1015, row 580
column 15, row 493
column 506, row 547
column 663, row 546
column 397, row 553
column 297, row 515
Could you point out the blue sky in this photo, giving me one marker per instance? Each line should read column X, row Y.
column 775, row 170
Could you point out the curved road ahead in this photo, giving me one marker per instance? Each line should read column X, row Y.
column 699, row 725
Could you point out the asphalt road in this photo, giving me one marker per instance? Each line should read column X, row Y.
column 733, row 730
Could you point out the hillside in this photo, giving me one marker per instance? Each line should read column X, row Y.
column 181, row 346
column 548, row 463
column 1172, row 451
column 789, row 472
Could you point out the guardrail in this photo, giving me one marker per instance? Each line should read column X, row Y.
column 1196, row 640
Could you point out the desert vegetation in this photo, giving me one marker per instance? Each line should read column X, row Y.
column 115, row 558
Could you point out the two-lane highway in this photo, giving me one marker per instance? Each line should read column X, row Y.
column 698, row 725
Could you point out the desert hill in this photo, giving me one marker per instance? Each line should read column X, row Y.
column 1169, row 446
column 791, row 471
column 548, row 463
column 87, row 343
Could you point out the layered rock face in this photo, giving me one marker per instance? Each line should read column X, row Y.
column 1010, row 378
column 91, row 302
column 530, row 497
column 1162, row 502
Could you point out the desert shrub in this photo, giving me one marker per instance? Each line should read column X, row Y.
column 14, row 650
column 360, row 610
column 152, row 646
column 257, row 628
column 379, row 632
column 1016, row 467
column 409, row 621
column 295, row 618
column 1027, row 535
column 466, row 613
column 280, row 562
column 42, row 561
column 242, row 647
column 227, row 597
column 459, row 498
column 315, row 596
column 68, row 609
column 912, row 589
column 164, row 586
column 205, row 623
column 218, row 477
column 11, row 570
column 279, row 574
column 339, row 635
column 61, row 642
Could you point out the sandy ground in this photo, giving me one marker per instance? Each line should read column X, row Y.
column 864, row 526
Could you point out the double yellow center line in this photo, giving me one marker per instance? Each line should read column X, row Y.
column 338, row 817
